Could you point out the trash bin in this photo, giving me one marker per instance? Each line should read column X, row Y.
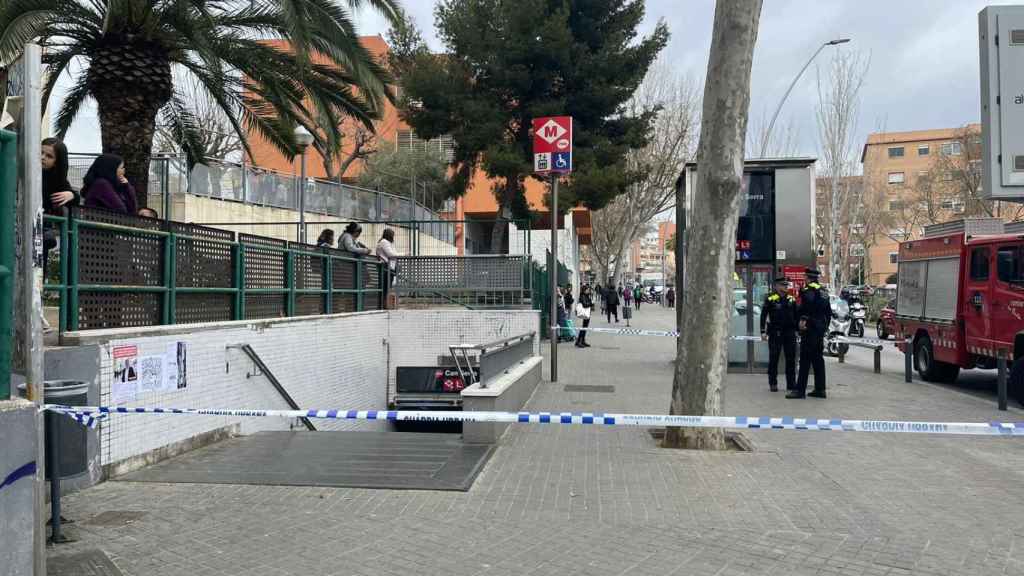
column 71, row 434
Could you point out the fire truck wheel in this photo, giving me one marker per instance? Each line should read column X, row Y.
column 1016, row 381
column 930, row 369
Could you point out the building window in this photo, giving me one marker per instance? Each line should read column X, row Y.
column 951, row 149
column 947, row 176
column 896, row 177
column 895, row 205
column 896, row 152
column 894, row 257
column 856, row 250
column 923, row 150
column 444, row 146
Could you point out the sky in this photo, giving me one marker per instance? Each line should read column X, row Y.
column 923, row 59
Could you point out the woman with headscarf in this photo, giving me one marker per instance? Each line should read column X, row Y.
column 105, row 185
column 326, row 239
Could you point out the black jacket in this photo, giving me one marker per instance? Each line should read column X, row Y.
column 569, row 300
column 611, row 297
column 778, row 314
column 586, row 301
column 815, row 309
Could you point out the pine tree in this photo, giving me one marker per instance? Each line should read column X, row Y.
column 508, row 62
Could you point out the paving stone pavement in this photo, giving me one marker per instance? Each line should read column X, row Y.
column 605, row 500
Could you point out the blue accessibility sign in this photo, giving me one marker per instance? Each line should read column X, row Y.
column 561, row 162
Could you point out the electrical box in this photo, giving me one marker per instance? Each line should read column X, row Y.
column 1001, row 42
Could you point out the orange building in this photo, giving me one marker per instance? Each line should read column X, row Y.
column 478, row 203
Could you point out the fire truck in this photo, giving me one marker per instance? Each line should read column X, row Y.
column 960, row 296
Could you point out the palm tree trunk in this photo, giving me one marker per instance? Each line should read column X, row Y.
column 710, row 258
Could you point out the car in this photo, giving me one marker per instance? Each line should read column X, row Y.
column 886, row 325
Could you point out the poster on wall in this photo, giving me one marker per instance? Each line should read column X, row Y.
column 135, row 374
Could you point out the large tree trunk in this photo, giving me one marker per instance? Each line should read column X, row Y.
column 711, row 254
column 131, row 82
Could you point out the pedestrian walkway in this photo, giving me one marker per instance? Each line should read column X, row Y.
column 605, row 500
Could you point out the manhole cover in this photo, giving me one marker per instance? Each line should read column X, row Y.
column 88, row 563
column 589, row 388
column 115, row 518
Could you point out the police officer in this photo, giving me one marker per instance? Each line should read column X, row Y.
column 814, row 313
column 778, row 327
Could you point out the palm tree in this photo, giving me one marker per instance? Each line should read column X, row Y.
column 270, row 64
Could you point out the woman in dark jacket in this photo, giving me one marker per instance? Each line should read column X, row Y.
column 105, row 185
column 57, row 191
column 584, row 307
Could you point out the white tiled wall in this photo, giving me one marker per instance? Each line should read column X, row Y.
column 330, row 362
column 327, row 362
column 418, row 337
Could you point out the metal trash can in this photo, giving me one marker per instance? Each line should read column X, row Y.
column 70, row 434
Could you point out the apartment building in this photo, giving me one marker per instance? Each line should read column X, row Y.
column 911, row 179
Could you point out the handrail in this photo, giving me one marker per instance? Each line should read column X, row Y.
column 486, row 350
column 265, row 370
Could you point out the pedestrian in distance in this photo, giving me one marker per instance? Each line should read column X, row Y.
column 627, row 310
column 583, row 310
column 778, row 328
column 814, row 314
column 599, row 294
column 638, row 295
column 611, row 297
column 105, row 186
column 569, row 300
column 627, row 300
column 670, row 297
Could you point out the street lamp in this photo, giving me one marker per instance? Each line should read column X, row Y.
column 303, row 138
column 771, row 125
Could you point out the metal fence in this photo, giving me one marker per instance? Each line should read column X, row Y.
column 235, row 182
column 484, row 281
column 125, row 271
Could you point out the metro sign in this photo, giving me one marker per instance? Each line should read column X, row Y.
column 552, row 144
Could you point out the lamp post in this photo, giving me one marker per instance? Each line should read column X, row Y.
column 767, row 135
column 303, row 138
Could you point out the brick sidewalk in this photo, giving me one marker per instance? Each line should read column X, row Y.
column 590, row 500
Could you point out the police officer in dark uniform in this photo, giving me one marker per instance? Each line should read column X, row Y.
column 814, row 313
column 778, row 327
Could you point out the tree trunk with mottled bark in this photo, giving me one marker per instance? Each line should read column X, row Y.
column 711, row 235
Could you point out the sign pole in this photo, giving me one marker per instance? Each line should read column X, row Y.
column 553, row 278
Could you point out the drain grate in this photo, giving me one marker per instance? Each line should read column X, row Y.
column 89, row 563
column 589, row 388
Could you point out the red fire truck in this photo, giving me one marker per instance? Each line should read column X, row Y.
column 960, row 297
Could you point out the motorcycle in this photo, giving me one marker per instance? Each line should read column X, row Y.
column 858, row 315
column 838, row 327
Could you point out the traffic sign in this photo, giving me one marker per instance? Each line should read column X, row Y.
column 552, row 144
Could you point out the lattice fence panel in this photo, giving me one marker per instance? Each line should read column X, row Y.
column 265, row 306
column 196, row 308
column 309, row 304
column 118, row 310
column 201, row 261
column 343, row 303
column 264, row 265
column 309, row 269
column 118, row 258
column 343, row 274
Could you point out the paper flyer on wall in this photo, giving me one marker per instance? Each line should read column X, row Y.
column 135, row 374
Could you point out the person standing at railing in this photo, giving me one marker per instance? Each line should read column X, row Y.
column 57, row 191
column 326, row 239
column 105, row 185
column 389, row 256
column 349, row 241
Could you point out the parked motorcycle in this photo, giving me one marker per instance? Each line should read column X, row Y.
column 858, row 316
column 838, row 327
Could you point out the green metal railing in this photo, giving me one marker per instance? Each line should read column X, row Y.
column 205, row 253
column 8, row 190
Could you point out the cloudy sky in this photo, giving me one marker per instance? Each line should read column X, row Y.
column 923, row 58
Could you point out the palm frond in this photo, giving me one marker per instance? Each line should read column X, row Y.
column 185, row 129
column 71, row 106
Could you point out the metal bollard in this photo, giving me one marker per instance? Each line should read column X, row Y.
column 1001, row 366
column 842, row 356
column 878, row 359
column 907, row 362
column 53, row 465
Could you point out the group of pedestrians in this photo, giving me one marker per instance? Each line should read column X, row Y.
column 782, row 318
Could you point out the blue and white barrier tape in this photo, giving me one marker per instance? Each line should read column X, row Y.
column 641, row 332
column 675, row 334
column 94, row 413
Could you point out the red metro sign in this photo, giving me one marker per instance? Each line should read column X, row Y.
column 552, row 144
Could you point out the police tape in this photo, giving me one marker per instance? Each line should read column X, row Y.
column 675, row 334
column 92, row 415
